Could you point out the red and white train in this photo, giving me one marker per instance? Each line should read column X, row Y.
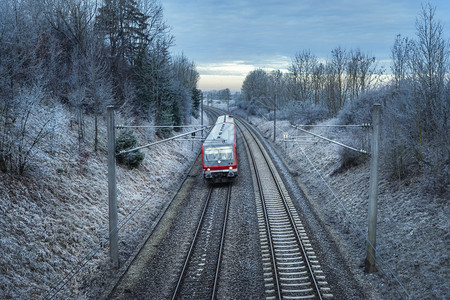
column 219, row 155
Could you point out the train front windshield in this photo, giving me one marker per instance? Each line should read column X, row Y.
column 219, row 156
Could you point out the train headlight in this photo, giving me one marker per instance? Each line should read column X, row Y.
column 231, row 168
column 208, row 169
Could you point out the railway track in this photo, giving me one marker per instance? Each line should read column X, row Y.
column 291, row 268
column 199, row 276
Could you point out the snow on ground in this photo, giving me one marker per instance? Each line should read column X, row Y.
column 56, row 215
column 412, row 228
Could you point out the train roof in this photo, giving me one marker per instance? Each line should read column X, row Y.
column 222, row 132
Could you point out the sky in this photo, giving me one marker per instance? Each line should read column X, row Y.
column 226, row 39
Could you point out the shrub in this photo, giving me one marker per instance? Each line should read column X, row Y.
column 315, row 113
column 25, row 124
column 298, row 113
column 359, row 110
column 350, row 158
column 125, row 141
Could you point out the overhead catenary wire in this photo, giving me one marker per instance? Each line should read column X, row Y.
column 159, row 142
column 331, row 141
column 191, row 139
column 363, row 125
column 160, row 126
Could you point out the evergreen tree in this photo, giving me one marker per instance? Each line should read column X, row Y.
column 196, row 100
column 176, row 108
column 125, row 27
column 153, row 79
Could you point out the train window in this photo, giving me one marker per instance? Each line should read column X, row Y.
column 224, row 153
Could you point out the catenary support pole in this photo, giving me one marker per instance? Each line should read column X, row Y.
column 201, row 114
column 112, row 189
column 274, row 118
column 373, row 190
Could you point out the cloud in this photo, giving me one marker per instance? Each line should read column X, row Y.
column 242, row 68
column 231, row 74
column 231, row 38
column 218, row 82
column 236, row 68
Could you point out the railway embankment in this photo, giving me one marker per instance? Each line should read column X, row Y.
column 55, row 215
column 412, row 228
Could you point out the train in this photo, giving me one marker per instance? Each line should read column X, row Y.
column 219, row 156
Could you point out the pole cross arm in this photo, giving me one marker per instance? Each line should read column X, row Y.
column 331, row 141
column 158, row 126
column 159, row 142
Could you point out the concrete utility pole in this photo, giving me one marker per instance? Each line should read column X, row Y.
column 201, row 114
column 275, row 118
column 112, row 189
column 278, row 76
column 373, row 190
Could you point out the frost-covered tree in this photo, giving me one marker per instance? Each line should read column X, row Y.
column 25, row 123
column 99, row 89
column 318, row 81
column 419, row 106
column 255, row 90
column 302, row 69
column 337, row 93
column 125, row 27
column 429, row 64
column 400, row 53
column 72, row 20
column 361, row 69
column 21, row 86
column 186, row 77
column 83, row 57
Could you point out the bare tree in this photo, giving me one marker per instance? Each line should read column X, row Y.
column 318, row 82
column 77, row 95
column 419, row 107
column 360, row 71
column 72, row 19
column 255, row 88
column 337, row 84
column 185, row 73
column 400, row 54
column 302, row 68
column 99, row 87
column 27, row 124
column 430, row 64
